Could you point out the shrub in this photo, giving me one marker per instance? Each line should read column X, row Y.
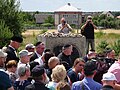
column 116, row 47
column 102, row 46
column 5, row 33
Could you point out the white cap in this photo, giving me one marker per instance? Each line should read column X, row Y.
column 89, row 17
column 25, row 53
column 2, row 54
column 109, row 76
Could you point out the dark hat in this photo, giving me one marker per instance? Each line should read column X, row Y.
column 66, row 46
column 38, row 71
column 89, row 67
column 17, row 39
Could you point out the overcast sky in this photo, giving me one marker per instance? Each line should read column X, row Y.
column 84, row 5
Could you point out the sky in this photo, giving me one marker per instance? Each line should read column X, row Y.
column 84, row 5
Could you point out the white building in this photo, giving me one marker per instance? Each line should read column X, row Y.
column 72, row 15
column 108, row 14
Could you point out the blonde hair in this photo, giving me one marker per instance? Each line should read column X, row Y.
column 58, row 73
column 11, row 63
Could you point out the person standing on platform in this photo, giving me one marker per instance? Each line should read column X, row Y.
column 64, row 27
column 88, row 31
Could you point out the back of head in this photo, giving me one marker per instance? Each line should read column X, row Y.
column 37, row 71
column 33, row 64
column 58, row 73
column 53, row 61
column 90, row 67
column 22, row 69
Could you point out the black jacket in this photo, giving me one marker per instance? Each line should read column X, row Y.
column 34, row 56
column 11, row 54
column 36, row 86
column 107, row 87
column 65, row 60
column 89, row 31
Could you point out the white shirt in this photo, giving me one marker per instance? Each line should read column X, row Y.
column 39, row 60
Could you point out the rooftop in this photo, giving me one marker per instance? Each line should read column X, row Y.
column 68, row 8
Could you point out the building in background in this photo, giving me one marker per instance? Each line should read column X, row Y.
column 107, row 13
column 40, row 18
column 71, row 14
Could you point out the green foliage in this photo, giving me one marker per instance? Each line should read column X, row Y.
column 10, row 13
column 106, row 22
column 102, row 46
column 46, row 25
column 116, row 47
column 50, row 20
column 5, row 34
column 73, row 26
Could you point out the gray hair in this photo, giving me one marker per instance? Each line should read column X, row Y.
column 22, row 69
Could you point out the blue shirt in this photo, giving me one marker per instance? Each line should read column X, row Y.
column 89, row 84
column 73, row 76
column 5, row 82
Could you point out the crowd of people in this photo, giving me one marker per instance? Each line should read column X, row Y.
column 37, row 68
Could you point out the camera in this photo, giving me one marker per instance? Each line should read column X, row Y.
column 64, row 22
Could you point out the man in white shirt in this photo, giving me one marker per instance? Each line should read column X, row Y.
column 64, row 27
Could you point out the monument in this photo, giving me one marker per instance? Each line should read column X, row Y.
column 55, row 41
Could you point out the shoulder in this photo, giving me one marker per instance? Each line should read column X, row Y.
column 51, row 85
column 98, row 85
column 76, row 85
column 114, row 66
column 30, row 87
column 60, row 55
column 3, row 74
column 71, row 72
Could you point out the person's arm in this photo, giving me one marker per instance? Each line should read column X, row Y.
column 60, row 28
column 70, row 28
column 95, row 27
column 82, row 28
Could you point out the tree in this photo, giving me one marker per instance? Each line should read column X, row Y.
column 5, row 34
column 49, row 20
column 10, row 13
